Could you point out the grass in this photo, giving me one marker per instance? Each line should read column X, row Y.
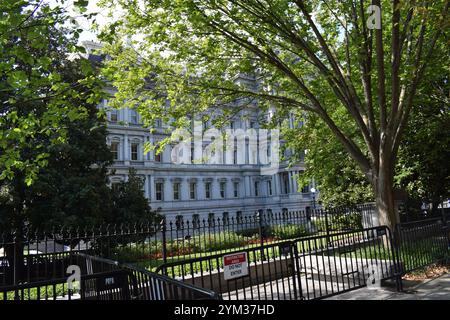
column 45, row 292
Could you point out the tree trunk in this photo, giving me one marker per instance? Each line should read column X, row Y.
column 384, row 195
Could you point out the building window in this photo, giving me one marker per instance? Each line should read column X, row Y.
column 115, row 186
column 225, row 218
column 193, row 190
column 134, row 117
column 252, row 124
column 158, row 156
column 222, row 189
column 115, row 150
column 211, row 221
column 239, row 218
column 236, row 189
column 208, row 190
column 159, row 191
column 158, row 123
column 176, row 191
column 134, row 151
column 179, row 221
column 269, row 187
column 285, row 179
column 256, row 188
column 195, row 221
column 114, row 116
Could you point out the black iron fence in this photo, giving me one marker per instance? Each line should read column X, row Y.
column 308, row 268
column 33, row 255
column 422, row 243
column 104, row 279
column 303, row 254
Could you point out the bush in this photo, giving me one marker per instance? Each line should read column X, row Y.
column 219, row 241
column 289, row 231
column 351, row 221
column 339, row 222
column 320, row 224
column 248, row 232
column 254, row 232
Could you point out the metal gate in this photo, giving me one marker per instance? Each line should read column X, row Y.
column 302, row 269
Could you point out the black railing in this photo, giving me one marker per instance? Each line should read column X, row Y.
column 153, row 286
column 104, row 279
column 120, row 259
column 307, row 268
column 422, row 243
column 33, row 255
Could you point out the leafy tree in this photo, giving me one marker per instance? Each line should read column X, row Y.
column 339, row 180
column 311, row 56
column 421, row 169
column 40, row 97
column 129, row 203
column 32, row 54
column 72, row 189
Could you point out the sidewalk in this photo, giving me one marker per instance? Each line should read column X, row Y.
column 434, row 289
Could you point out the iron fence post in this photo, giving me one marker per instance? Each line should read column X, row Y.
column 164, row 240
column 259, row 216
column 445, row 224
column 327, row 228
column 16, row 264
column 395, row 245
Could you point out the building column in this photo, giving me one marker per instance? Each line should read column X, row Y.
column 146, row 187
column 151, row 154
column 152, row 193
column 185, row 189
column 201, row 189
column 279, row 183
column 168, row 190
column 215, row 189
column 126, row 148
column 295, row 182
column 230, row 188
column 125, row 114
column 247, row 186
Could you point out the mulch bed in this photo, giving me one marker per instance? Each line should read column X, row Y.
column 430, row 272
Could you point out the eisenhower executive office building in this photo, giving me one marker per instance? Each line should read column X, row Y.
column 236, row 187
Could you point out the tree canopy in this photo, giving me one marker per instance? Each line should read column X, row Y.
column 338, row 60
column 36, row 41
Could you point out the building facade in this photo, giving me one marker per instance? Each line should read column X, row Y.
column 201, row 190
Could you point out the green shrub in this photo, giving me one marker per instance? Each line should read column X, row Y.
column 349, row 221
column 220, row 241
column 248, row 232
column 254, row 232
column 320, row 224
column 289, row 231
column 339, row 222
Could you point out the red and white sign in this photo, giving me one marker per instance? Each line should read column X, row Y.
column 235, row 265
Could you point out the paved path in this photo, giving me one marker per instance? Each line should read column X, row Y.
column 434, row 289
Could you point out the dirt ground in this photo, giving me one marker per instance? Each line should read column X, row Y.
column 429, row 272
